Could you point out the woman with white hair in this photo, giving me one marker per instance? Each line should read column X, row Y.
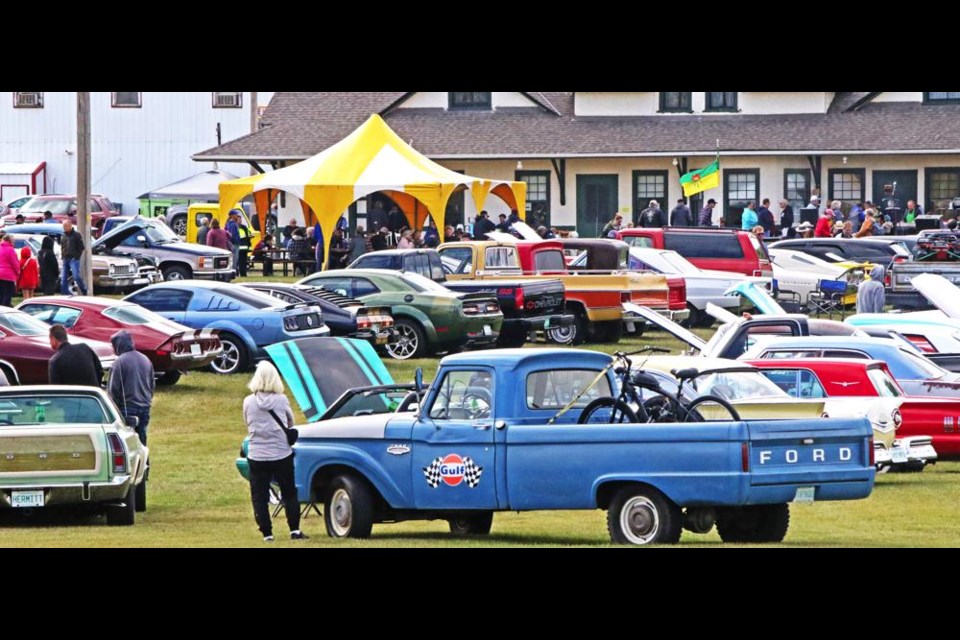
column 268, row 415
column 406, row 240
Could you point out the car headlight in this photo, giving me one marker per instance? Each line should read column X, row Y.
column 113, row 269
column 897, row 418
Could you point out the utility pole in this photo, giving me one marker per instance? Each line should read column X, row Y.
column 253, row 112
column 83, row 185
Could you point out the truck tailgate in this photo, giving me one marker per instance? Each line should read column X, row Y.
column 810, row 460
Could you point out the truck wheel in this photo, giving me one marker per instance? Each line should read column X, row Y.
column 472, row 525
column 169, row 378
column 348, row 509
column 142, row 496
column 233, row 358
column 754, row 523
column 411, row 341
column 643, row 515
column 609, row 331
column 511, row 339
column 176, row 273
column 572, row 334
column 179, row 226
column 124, row 515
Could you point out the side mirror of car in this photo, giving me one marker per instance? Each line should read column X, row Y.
column 133, row 422
column 142, row 239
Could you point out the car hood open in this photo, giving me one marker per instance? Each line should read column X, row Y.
column 941, row 293
column 305, row 365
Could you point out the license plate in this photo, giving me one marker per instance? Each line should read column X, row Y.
column 804, row 494
column 382, row 340
column 899, row 455
column 26, row 498
column 195, row 348
column 487, row 331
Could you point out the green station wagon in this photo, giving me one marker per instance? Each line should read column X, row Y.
column 427, row 315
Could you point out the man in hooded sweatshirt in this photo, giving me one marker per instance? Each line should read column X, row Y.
column 132, row 382
column 870, row 295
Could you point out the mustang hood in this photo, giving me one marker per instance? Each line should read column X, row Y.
column 939, row 291
column 319, row 370
column 758, row 295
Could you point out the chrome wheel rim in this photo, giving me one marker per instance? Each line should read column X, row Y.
column 180, row 227
column 563, row 335
column 229, row 360
column 341, row 513
column 406, row 344
column 639, row 520
column 174, row 275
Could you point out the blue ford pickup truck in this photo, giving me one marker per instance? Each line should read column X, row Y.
column 480, row 439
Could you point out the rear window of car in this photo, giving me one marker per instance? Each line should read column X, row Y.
column 549, row 261
column 704, row 245
column 373, row 261
column 639, row 241
column 556, row 388
column 131, row 314
column 883, row 383
column 255, row 299
column 56, row 410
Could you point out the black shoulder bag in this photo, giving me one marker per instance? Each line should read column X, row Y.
column 292, row 434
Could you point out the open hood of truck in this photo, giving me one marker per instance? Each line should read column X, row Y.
column 667, row 325
column 306, row 366
column 941, row 293
column 758, row 295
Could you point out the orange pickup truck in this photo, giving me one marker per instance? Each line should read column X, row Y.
column 595, row 300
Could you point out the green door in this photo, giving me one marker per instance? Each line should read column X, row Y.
column 596, row 203
column 906, row 187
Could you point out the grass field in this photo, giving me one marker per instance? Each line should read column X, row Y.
column 197, row 498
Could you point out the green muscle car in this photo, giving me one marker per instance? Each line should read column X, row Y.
column 427, row 316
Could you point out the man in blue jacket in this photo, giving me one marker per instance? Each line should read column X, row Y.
column 765, row 218
column 233, row 228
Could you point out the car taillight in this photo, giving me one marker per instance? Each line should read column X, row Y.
column 744, row 457
column 873, row 455
column 470, row 309
column 921, row 343
column 363, row 322
column 518, row 300
column 886, row 280
column 899, row 259
column 290, row 323
column 117, row 453
column 897, row 418
column 678, row 294
column 757, row 273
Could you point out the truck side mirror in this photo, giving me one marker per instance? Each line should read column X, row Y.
column 418, row 380
column 142, row 239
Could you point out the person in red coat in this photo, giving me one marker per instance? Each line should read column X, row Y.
column 29, row 273
column 824, row 225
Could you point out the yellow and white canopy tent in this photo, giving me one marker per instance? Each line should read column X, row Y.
column 371, row 159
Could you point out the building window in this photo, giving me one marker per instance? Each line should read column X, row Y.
column 796, row 188
column 479, row 100
column 538, row 196
column 847, row 185
column 675, row 101
column 27, row 100
column 647, row 186
column 942, row 97
column 227, row 100
column 721, row 101
column 740, row 187
column 943, row 187
column 125, row 99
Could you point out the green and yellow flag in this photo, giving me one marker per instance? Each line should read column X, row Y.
column 701, row 179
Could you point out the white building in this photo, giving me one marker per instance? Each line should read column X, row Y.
column 139, row 141
column 586, row 155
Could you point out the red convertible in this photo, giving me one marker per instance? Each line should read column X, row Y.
column 25, row 348
column 922, row 417
column 171, row 347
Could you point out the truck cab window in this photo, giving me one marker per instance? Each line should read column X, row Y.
column 464, row 395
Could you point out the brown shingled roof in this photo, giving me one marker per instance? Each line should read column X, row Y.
column 299, row 125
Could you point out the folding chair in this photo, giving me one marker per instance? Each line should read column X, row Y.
column 828, row 298
column 790, row 301
column 278, row 504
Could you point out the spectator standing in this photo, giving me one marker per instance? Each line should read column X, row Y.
column 29, row 273
column 244, row 251
column 786, row 220
column 610, row 229
column 483, row 226
column 71, row 248
column 869, row 226
column 132, row 382
column 765, row 218
column 805, row 229
column 913, row 210
column 217, row 237
column 512, row 218
column 377, row 217
column 9, row 270
column 430, row 236
column 203, row 230
column 49, row 267
column 339, row 248
column 870, row 294
column 705, row 219
column 502, row 225
column 749, row 219
column 824, row 225
column 267, row 414
column 358, row 245
column 652, row 216
column 856, row 216
column 72, row 363
column 233, row 230
column 379, row 240
column 680, row 216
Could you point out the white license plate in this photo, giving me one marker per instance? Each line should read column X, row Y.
column 898, row 455
column 804, row 494
column 487, row 331
column 195, row 348
column 26, row 498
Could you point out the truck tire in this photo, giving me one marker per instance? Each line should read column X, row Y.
column 754, row 523
column 477, row 524
column 573, row 334
column 124, row 515
column 179, row 226
column 175, row 272
column 348, row 508
column 411, row 340
column 609, row 331
column 642, row 515
column 234, row 357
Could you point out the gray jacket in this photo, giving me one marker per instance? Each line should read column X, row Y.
column 132, row 378
column 870, row 295
column 267, row 440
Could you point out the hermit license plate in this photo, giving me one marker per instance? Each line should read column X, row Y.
column 899, row 455
column 195, row 348
column 804, row 494
column 487, row 331
column 26, row 498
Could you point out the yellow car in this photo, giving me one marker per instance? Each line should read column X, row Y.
column 211, row 210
